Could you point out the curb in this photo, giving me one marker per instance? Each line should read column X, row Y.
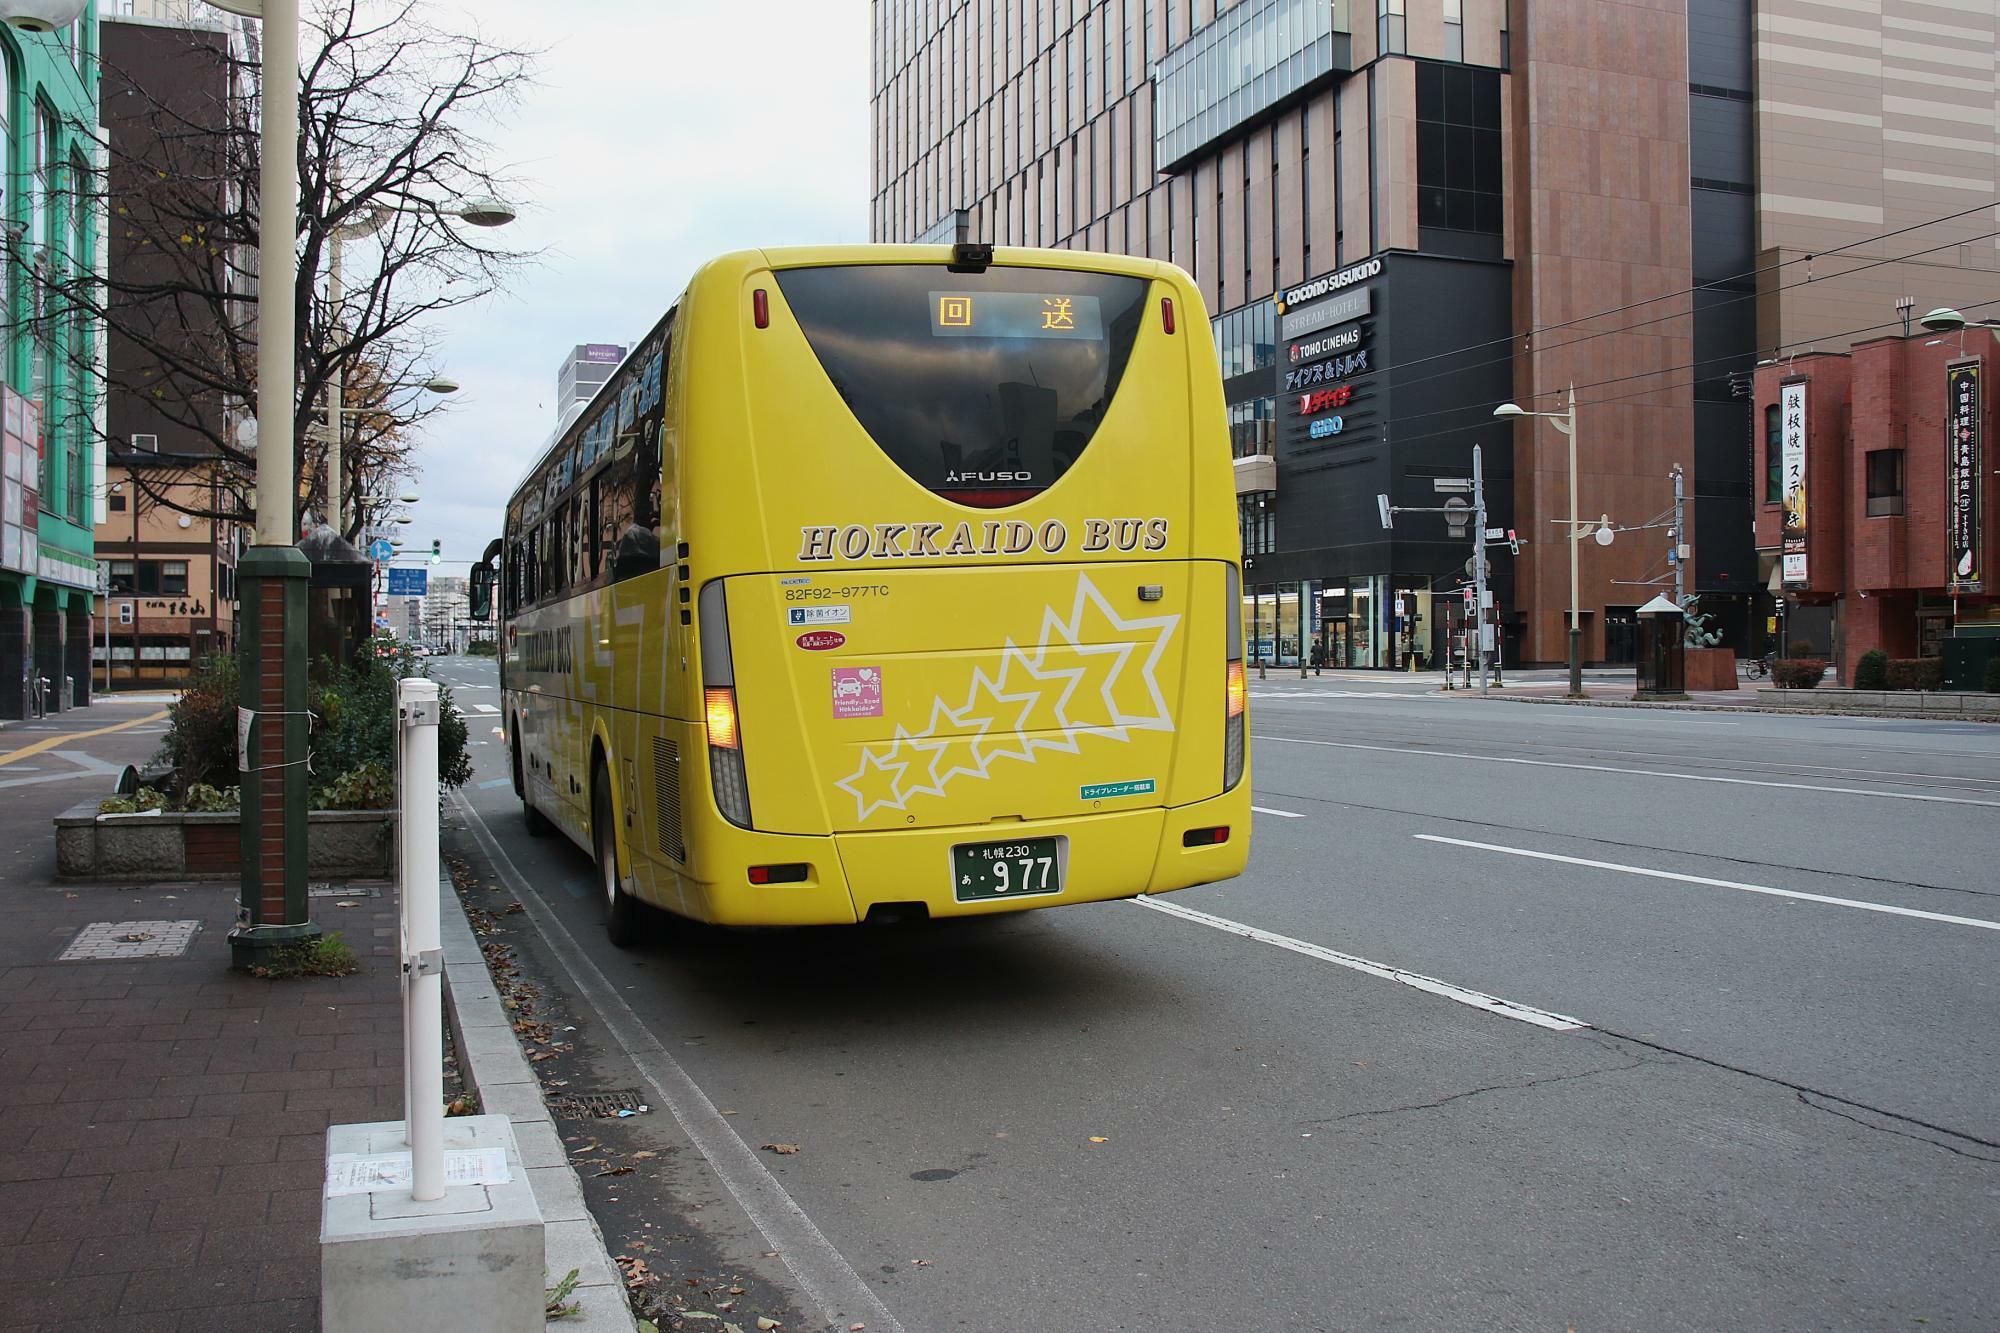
column 1685, row 707
column 490, row 1059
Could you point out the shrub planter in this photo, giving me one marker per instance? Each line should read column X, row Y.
column 1711, row 668
column 340, row 844
column 1886, row 703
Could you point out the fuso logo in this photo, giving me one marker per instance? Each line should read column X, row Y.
column 820, row 640
column 1322, row 399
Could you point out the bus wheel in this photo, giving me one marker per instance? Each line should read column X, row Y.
column 621, row 909
column 536, row 821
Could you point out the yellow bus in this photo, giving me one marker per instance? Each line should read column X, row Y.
column 887, row 582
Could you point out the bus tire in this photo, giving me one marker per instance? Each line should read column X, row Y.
column 537, row 822
column 621, row 909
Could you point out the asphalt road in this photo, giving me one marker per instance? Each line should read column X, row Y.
column 1701, row 1033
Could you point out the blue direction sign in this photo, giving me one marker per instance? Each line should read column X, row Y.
column 379, row 550
column 408, row 582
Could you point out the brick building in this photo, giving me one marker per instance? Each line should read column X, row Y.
column 1899, row 511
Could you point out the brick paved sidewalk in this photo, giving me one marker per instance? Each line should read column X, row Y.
column 163, row 1120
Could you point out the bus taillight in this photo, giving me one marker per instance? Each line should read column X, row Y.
column 721, row 717
column 718, row 695
column 1235, row 691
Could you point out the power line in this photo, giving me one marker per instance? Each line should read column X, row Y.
column 1718, row 284
column 1606, row 333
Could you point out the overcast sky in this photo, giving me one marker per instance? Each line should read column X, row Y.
column 661, row 133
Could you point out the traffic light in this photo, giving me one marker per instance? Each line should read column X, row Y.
column 437, row 551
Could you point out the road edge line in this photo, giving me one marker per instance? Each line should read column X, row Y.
column 823, row 1273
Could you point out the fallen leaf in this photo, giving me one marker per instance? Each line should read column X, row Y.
column 856, row 1328
column 782, row 1149
column 1099, row 1138
column 347, row 904
column 766, row 1323
column 512, row 908
column 617, row 1171
column 921, row 1263
column 736, row 1291
column 540, row 1056
column 770, row 1254
column 646, row 1156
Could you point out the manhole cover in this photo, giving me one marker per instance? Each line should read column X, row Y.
column 595, row 1105
column 107, row 941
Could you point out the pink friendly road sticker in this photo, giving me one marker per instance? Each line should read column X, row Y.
column 857, row 691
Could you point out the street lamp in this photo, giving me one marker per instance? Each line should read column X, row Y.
column 473, row 212
column 1566, row 423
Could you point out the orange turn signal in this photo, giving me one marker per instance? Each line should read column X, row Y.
column 1236, row 689
column 721, row 708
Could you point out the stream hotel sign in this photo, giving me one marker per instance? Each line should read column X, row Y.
column 1792, row 457
column 1963, row 471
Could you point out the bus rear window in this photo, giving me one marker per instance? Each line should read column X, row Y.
column 983, row 387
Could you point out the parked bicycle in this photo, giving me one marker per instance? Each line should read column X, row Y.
column 1756, row 668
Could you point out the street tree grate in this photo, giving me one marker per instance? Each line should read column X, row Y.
column 111, row 941
column 594, row 1105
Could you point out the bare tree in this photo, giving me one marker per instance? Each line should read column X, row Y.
column 392, row 109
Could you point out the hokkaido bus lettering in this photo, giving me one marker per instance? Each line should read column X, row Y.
column 922, row 541
column 545, row 650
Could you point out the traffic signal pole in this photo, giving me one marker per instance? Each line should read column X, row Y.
column 1479, row 626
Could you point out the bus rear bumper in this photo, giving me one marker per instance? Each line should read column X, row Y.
column 1117, row 855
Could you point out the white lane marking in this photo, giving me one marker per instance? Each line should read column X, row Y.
column 1282, row 814
column 1492, row 1004
column 486, row 708
column 1861, row 904
column 825, row 1277
column 1637, row 772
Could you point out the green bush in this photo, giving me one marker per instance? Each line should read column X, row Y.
column 204, row 799
column 146, row 798
column 1797, row 673
column 369, row 787
column 1993, row 674
column 1872, row 671
column 482, row 648
column 353, row 730
column 201, row 728
column 1799, row 649
column 1915, row 673
column 357, row 717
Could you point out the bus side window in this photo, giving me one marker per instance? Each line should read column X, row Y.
column 593, row 531
column 552, row 545
column 576, row 548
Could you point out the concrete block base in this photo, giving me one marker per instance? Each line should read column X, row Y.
column 473, row 1259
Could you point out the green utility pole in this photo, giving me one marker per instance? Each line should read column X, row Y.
column 274, row 914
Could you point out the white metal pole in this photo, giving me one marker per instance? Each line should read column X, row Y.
column 277, row 274
column 1680, row 540
column 424, row 1035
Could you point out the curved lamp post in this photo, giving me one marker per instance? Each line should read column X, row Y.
column 1566, row 423
column 41, row 15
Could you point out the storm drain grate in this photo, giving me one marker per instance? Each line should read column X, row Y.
column 595, row 1105
column 110, row 941
column 343, row 891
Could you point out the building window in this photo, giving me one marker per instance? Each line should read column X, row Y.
column 1390, row 35
column 1257, row 515
column 116, row 503
column 1454, row 29
column 1774, row 455
column 1458, row 148
column 173, row 578
column 123, row 583
column 1885, row 482
column 1252, row 57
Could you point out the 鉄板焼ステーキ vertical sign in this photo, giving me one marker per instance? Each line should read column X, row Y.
column 1963, row 478
column 1792, row 456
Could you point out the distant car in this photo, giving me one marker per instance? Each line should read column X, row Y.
column 419, row 650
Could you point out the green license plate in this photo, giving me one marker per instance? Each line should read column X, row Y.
column 1025, row 868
